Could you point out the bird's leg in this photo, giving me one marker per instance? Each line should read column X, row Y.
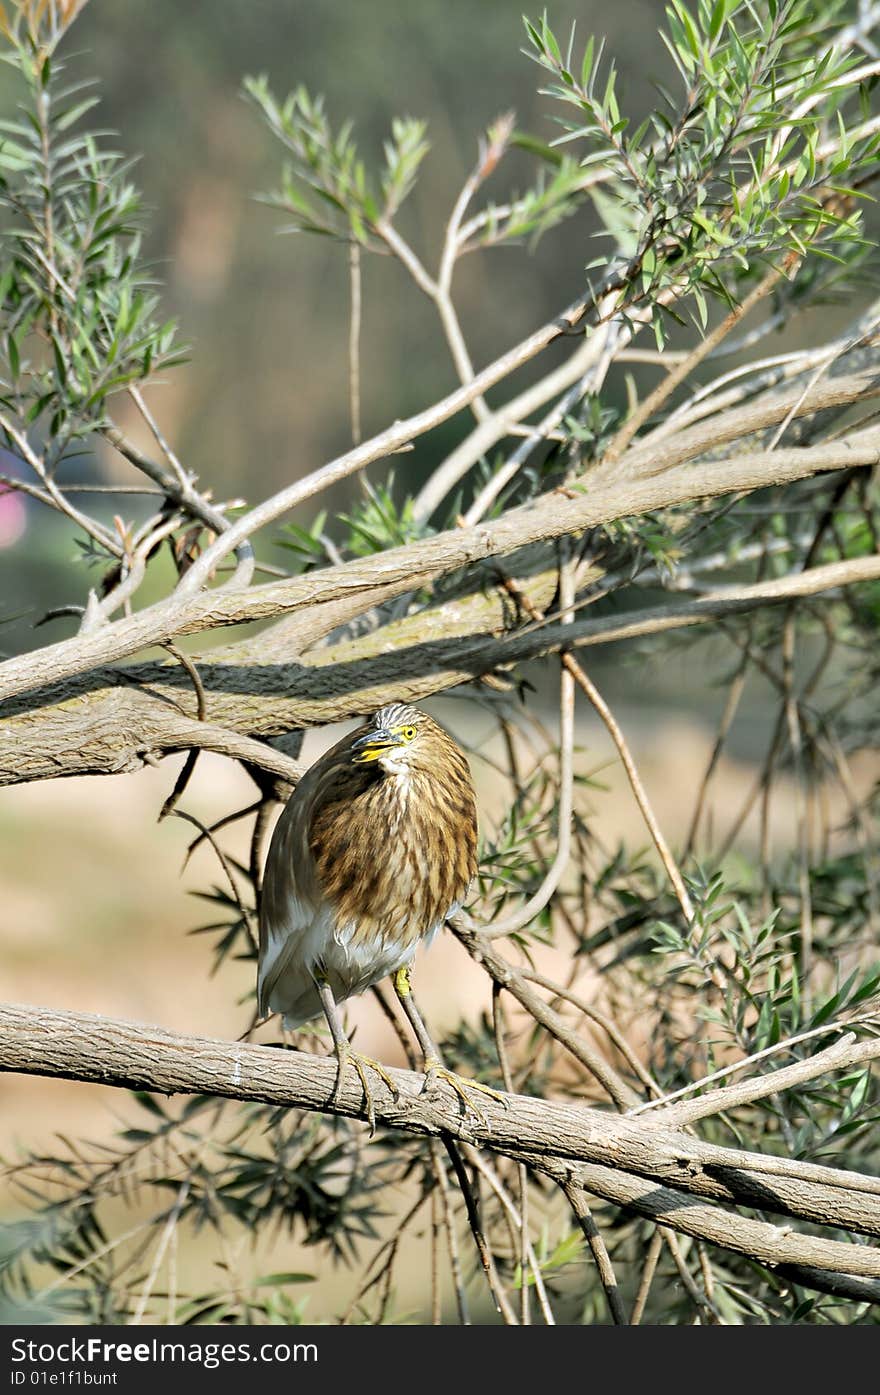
column 345, row 1055
column 434, row 1066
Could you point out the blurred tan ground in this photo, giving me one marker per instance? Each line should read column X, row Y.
column 96, row 915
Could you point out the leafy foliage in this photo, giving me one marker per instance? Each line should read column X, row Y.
column 80, row 311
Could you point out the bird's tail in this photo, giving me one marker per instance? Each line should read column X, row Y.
column 302, row 1009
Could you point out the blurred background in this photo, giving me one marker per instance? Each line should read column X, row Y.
column 97, row 912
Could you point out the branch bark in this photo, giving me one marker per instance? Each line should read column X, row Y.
column 322, row 600
column 110, row 721
column 662, row 1173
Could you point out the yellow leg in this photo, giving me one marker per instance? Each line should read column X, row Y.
column 433, row 1062
column 346, row 1056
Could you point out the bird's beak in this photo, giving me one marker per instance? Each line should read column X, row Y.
column 374, row 744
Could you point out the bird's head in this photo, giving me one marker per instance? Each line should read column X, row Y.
column 394, row 738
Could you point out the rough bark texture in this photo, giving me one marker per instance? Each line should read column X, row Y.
column 324, row 599
column 109, row 719
column 106, row 721
column 658, row 1172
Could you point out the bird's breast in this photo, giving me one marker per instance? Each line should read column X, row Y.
column 395, row 859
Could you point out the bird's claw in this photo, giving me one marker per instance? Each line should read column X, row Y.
column 462, row 1087
column 361, row 1064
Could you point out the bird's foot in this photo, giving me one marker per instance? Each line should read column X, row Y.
column 435, row 1070
column 362, row 1064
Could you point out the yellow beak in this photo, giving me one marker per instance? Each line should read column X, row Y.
column 374, row 744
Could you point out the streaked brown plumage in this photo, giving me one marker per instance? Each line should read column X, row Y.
column 375, row 848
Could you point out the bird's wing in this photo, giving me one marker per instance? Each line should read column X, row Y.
column 291, row 914
column 297, row 921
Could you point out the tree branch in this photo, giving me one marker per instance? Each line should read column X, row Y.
column 327, row 598
column 108, row 722
column 657, row 1172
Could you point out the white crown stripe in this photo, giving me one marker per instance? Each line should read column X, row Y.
column 396, row 714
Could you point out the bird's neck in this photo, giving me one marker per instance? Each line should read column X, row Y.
column 397, row 769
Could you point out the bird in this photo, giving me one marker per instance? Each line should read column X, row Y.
column 374, row 850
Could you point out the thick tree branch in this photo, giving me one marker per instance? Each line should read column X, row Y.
column 662, row 1173
column 325, row 599
column 110, row 721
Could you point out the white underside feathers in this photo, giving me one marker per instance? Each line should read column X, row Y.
column 350, row 963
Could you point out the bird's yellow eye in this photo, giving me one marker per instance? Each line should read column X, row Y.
column 408, row 733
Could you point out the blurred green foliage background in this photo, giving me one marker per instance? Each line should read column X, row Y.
column 264, row 397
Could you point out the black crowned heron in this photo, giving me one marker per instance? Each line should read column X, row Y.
column 376, row 847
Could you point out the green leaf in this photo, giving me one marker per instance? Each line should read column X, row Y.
column 548, row 39
column 73, row 114
column 587, row 64
column 719, row 14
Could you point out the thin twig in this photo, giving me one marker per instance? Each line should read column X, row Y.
column 185, row 495
column 103, row 536
column 701, row 1301
column 449, row 1227
column 244, row 912
column 651, row 1259
column 734, row 695
column 590, row 382
column 515, row 1219
column 525, row 914
column 752, row 1060
column 436, row 1299
column 654, row 401
column 578, row 1204
column 472, row 1208
column 614, row 1034
column 498, row 1027
column 509, row 977
column 802, row 831
column 589, row 688
column 165, row 1240
column 354, row 340
column 843, row 1055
